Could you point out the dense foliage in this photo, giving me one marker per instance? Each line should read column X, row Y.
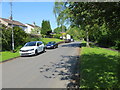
column 36, row 30
column 100, row 20
column 60, row 29
column 20, row 37
column 46, row 28
column 76, row 33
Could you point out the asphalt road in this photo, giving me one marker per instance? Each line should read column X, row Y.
column 52, row 69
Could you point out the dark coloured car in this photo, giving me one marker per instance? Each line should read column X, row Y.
column 67, row 40
column 52, row 44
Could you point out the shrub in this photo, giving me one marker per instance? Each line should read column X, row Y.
column 20, row 38
column 57, row 36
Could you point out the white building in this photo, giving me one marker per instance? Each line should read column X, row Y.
column 31, row 27
column 9, row 23
column 68, row 36
column 26, row 27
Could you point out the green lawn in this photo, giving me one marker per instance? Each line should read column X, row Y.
column 46, row 40
column 99, row 68
column 8, row 55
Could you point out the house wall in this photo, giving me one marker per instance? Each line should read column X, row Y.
column 68, row 36
column 28, row 29
column 24, row 28
column 9, row 25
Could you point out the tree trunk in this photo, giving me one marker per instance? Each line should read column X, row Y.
column 88, row 40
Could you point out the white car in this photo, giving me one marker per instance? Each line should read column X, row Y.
column 32, row 48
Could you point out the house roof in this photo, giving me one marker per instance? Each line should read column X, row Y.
column 13, row 22
column 32, row 25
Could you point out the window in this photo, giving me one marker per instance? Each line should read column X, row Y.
column 30, row 44
column 40, row 43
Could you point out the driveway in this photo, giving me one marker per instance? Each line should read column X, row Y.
column 52, row 69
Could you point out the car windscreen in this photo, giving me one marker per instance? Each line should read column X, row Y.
column 30, row 44
column 51, row 42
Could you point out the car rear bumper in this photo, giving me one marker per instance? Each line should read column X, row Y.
column 49, row 46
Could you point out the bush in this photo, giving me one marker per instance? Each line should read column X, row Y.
column 20, row 38
column 57, row 36
column 6, row 39
column 105, row 41
column 117, row 45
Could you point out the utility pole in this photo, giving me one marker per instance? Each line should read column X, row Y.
column 11, row 18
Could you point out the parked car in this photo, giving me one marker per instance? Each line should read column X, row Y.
column 32, row 48
column 52, row 44
column 67, row 40
column 72, row 40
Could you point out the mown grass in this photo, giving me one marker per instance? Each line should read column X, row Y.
column 46, row 40
column 8, row 54
column 99, row 68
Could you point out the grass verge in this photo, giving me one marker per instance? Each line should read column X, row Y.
column 99, row 68
column 8, row 55
column 46, row 40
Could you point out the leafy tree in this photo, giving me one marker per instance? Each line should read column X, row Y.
column 76, row 33
column 36, row 30
column 45, row 27
column 92, row 17
column 57, row 30
column 60, row 14
column 60, row 29
column 6, row 38
column 20, row 37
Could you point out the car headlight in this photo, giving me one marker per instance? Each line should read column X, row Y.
column 30, row 49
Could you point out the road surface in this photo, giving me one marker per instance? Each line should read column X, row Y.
column 51, row 69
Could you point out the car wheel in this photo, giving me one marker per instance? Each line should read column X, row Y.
column 44, row 49
column 36, row 52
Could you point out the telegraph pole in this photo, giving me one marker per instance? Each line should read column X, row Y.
column 11, row 18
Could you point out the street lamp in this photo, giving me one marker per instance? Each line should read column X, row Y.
column 12, row 27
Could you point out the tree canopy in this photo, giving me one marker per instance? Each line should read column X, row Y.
column 45, row 27
column 60, row 29
column 100, row 20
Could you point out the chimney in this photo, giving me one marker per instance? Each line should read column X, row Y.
column 34, row 24
column 10, row 18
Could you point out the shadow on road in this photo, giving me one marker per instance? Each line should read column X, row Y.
column 65, row 69
column 34, row 55
column 72, row 45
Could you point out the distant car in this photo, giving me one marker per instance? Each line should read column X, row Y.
column 52, row 44
column 67, row 40
column 32, row 48
column 72, row 40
